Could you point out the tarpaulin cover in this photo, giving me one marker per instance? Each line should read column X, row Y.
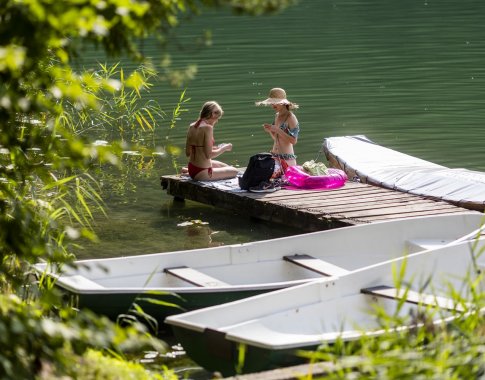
column 371, row 163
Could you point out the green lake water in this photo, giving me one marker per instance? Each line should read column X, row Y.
column 409, row 75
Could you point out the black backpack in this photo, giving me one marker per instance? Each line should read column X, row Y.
column 260, row 168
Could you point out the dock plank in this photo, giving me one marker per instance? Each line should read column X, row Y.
column 380, row 205
column 354, row 201
column 312, row 210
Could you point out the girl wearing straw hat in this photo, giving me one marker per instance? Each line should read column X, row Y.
column 200, row 149
column 284, row 130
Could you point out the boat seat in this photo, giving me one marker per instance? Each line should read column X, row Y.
column 417, row 245
column 194, row 277
column 413, row 297
column 316, row 265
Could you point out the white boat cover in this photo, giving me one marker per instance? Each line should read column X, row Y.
column 371, row 163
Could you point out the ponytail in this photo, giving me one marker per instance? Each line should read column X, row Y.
column 206, row 112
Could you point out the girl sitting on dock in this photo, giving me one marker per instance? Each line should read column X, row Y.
column 200, row 148
column 284, row 129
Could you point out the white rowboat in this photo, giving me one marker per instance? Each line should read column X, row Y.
column 204, row 277
column 270, row 328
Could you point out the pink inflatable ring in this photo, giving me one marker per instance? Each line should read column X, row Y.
column 298, row 177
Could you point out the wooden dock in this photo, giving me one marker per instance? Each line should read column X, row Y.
column 312, row 210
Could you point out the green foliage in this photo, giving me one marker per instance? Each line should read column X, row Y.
column 31, row 343
column 120, row 113
column 123, row 121
column 95, row 365
column 47, row 197
column 455, row 352
column 426, row 350
column 38, row 40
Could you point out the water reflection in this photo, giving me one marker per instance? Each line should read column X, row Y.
column 199, row 234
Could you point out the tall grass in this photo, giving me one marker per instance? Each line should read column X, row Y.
column 425, row 350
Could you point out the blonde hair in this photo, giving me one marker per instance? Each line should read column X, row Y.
column 207, row 110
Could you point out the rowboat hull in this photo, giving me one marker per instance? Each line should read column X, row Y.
column 189, row 280
column 215, row 353
column 272, row 328
column 156, row 304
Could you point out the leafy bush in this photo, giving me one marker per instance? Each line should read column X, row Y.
column 31, row 342
column 425, row 351
column 47, row 195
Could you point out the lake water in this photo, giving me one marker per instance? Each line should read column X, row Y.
column 409, row 75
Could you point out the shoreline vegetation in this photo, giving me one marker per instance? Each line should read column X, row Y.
column 49, row 196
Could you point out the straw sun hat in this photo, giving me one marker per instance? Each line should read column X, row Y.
column 277, row 96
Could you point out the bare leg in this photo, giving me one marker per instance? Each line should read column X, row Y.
column 218, row 173
column 225, row 172
column 219, row 164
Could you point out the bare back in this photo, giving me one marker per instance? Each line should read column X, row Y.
column 199, row 145
column 200, row 149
